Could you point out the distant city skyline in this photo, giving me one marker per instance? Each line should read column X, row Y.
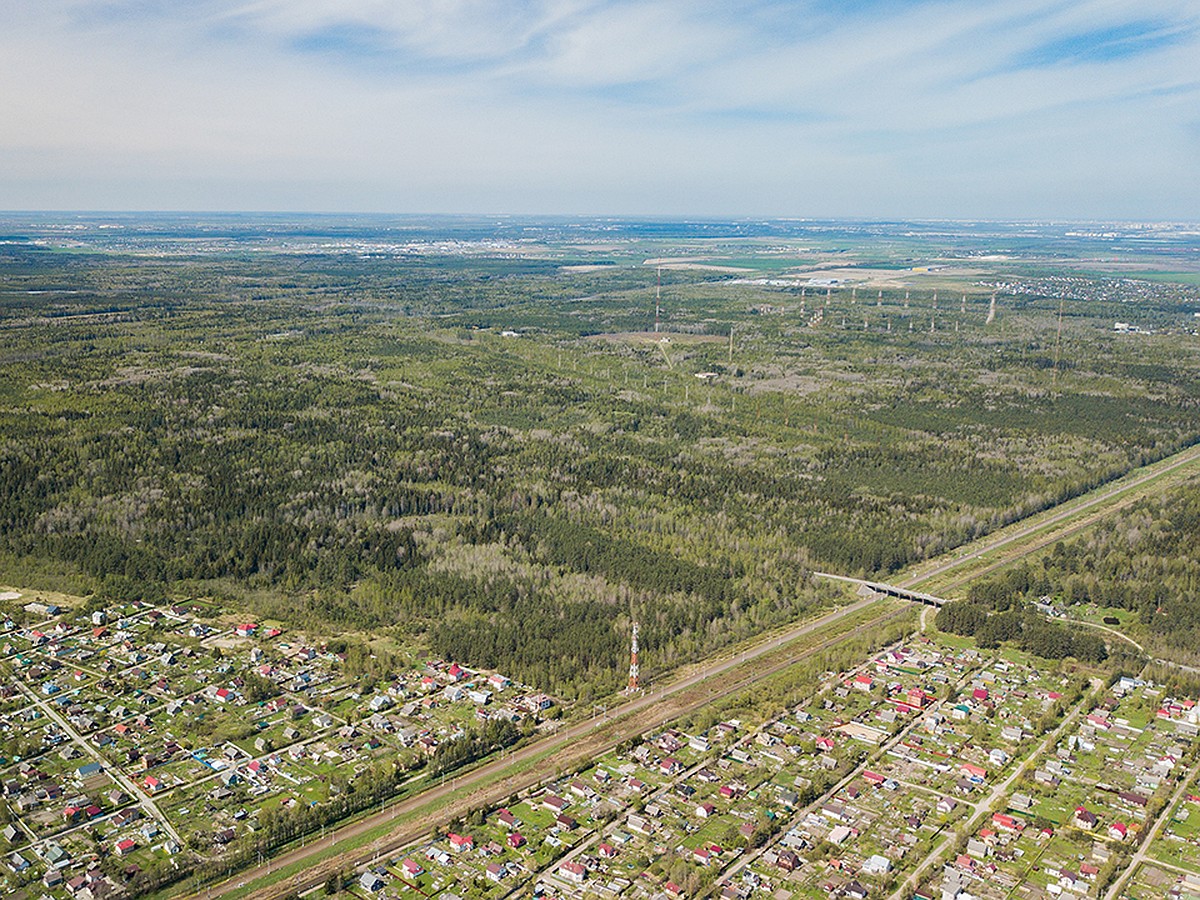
column 828, row 108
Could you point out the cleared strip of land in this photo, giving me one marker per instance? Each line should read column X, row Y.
column 996, row 551
column 410, row 820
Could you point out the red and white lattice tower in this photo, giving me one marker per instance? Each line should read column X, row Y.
column 633, row 663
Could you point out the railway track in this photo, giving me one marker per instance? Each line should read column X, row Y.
column 568, row 748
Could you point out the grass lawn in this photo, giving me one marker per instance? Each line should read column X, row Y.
column 1052, row 809
column 1184, row 854
column 534, row 817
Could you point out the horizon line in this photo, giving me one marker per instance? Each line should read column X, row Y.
column 645, row 217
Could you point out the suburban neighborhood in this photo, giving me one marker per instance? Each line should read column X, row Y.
column 134, row 733
column 932, row 770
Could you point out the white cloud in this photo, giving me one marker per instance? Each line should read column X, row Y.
column 578, row 105
column 448, row 30
column 631, row 43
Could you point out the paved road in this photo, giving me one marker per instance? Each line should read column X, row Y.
column 873, row 759
column 1071, row 508
column 876, row 584
column 983, row 807
column 699, row 674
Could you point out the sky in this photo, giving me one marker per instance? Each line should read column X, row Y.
column 967, row 109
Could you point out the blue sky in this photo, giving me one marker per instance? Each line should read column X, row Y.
column 909, row 108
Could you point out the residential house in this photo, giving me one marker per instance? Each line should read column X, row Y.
column 371, row 882
column 573, row 871
column 461, row 842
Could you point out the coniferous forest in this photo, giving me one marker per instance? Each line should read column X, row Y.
column 1142, row 560
column 469, row 437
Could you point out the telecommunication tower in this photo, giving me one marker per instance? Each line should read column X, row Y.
column 634, row 685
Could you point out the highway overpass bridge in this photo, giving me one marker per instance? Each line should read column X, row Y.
column 889, row 590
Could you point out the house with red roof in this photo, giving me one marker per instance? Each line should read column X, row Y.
column 973, row 772
column 411, row 868
column 573, row 871
column 461, row 842
column 1005, row 822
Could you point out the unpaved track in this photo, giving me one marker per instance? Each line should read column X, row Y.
column 1144, row 850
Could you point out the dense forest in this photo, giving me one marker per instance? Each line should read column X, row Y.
column 993, row 624
column 486, row 455
column 1142, row 560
